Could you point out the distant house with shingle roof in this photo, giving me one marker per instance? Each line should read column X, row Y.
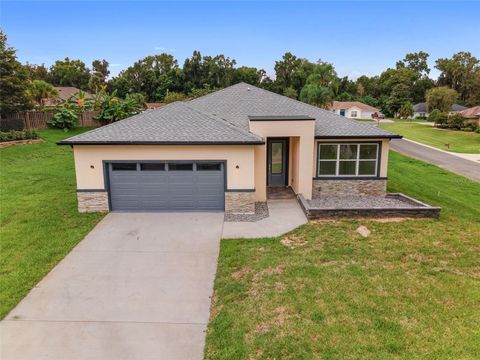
column 353, row 109
column 420, row 110
column 64, row 93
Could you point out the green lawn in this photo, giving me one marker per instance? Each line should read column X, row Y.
column 410, row 290
column 460, row 141
column 39, row 222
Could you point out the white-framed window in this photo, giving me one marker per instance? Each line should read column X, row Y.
column 353, row 113
column 347, row 159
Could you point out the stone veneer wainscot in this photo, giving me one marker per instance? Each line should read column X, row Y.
column 92, row 201
column 354, row 187
column 240, row 202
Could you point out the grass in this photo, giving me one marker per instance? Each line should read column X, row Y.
column 410, row 290
column 460, row 141
column 39, row 221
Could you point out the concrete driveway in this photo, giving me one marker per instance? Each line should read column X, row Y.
column 137, row 287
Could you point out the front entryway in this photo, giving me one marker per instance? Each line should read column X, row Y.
column 277, row 161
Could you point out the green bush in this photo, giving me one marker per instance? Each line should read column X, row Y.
column 65, row 118
column 456, row 121
column 437, row 117
column 13, row 135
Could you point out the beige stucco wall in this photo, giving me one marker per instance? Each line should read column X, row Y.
column 305, row 132
column 383, row 157
column 88, row 155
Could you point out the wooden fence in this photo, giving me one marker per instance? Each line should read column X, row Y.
column 35, row 120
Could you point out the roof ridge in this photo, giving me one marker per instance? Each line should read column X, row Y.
column 222, row 120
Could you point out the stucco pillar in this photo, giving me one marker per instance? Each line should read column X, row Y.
column 306, row 149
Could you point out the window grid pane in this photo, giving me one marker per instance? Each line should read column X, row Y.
column 351, row 159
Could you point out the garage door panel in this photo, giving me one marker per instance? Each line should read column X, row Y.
column 156, row 188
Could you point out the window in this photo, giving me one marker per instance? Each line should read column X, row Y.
column 124, row 166
column 346, row 159
column 152, row 167
column 353, row 113
column 180, row 167
column 209, row 166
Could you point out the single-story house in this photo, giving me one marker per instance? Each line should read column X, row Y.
column 420, row 110
column 64, row 93
column 472, row 113
column 353, row 109
column 222, row 151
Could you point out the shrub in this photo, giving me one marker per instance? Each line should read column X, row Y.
column 17, row 135
column 456, row 121
column 111, row 108
column 65, row 118
column 437, row 117
column 174, row 96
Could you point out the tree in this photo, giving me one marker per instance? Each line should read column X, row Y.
column 111, row 108
column 69, row 73
column 151, row 76
column 320, row 86
column 416, row 62
column 461, row 73
column 13, row 80
column 40, row 90
column 406, row 110
column 99, row 76
column 249, row 75
column 37, row 72
column 437, row 117
column 441, row 98
column 399, row 96
column 174, row 96
column 290, row 92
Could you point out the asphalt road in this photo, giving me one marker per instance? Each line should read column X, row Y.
column 453, row 163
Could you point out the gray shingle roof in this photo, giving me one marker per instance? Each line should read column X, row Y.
column 422, row 107
column 171, row 124
column 222, row 117
column 237, row 102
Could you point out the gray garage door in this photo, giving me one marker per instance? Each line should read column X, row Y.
column 167, row 186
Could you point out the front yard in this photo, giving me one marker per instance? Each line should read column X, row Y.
column 459, row 141
column 409, row 290
column 39, row 221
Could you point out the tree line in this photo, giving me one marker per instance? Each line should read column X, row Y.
column 160, row 78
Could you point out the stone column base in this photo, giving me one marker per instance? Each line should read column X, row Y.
column 240, row 202
column 366, row 187
column 94, row 201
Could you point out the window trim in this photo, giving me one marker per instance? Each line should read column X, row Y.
column 337, row 176
column 352, row 112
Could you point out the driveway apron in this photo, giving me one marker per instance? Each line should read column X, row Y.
column 137, row 287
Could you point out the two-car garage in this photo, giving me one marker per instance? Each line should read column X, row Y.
column 166, row 185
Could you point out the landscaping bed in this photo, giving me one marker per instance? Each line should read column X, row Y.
column 391, row 205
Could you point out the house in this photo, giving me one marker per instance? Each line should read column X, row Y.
column 353, row 109
column 222, row 151
column 64, row 93
column 472, row 113
column 420, row 110
column 153, row 105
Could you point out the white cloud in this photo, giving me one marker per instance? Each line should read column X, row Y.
column 160, row 48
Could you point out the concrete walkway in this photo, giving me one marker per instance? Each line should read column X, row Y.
column 285, row 215
column 137, row 287
column 453, row 163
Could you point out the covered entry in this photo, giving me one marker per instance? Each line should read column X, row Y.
column 166, row 185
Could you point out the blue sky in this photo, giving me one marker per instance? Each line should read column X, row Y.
column 357, row 37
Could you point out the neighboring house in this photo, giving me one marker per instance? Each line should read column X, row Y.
column 472, row 113
column 353, row 109
column 222, row 151
column 420, row 110
column 154, row 105
column 64, row 93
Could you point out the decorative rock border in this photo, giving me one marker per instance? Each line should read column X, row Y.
column 413, row 208
column 6, row 144
column 261, row 212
